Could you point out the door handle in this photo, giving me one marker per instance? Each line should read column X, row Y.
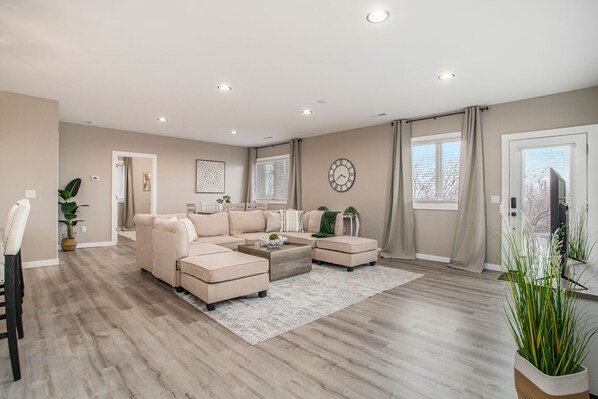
column 513, row 203
column 513, row 213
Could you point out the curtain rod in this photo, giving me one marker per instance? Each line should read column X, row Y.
column 482, row 109
column 273, row 145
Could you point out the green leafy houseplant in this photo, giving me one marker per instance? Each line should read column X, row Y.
column 542, row 313
column 351, row 212
column 69, row 209
column 224, row 200
column 323, row 208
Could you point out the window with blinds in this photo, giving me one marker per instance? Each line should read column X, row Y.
column 435, row 169
column 272, row 179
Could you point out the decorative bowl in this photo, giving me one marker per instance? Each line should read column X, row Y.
column 265, row 241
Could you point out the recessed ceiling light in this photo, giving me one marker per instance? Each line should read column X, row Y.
column 224, row 88
column 377, row 16
column 162, row 119
column 306, row 112
column 446, row 76
column 233, row 131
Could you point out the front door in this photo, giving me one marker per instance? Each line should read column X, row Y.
column 529, row 164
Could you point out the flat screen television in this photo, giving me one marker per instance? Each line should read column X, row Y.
column 558, row 209
column 558, row 218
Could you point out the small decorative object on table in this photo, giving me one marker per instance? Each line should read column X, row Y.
column 350, row 212
column 323, row 208
column 272, row 241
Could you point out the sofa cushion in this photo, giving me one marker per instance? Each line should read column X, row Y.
column 191, row 233
column 347, row 244
column 301, row 239
column 210, row 225
column 144, row 219
column 246, row 222
column 200, row 248
column 225, row 241
column 313, row 224
column 251, row 238
column 272, row 222
column 224, row 266
column 291, row 220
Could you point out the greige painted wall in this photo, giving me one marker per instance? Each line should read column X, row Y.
column 87, row 151
column 272, row 151
column 370, row 149
column 29, row 161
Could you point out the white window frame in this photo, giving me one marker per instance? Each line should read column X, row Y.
column 436, row 205
column 264, row 160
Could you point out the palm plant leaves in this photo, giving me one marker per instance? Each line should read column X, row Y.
column 73, row 186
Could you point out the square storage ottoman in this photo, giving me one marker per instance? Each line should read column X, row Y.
column 347, row 251
column 218, row 277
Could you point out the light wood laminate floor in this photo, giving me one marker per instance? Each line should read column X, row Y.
column 95, row 326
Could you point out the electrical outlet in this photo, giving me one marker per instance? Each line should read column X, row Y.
column 30, row 193
column 83, row 229
column 495, row 199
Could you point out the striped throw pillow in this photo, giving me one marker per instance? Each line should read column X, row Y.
column 291, row 221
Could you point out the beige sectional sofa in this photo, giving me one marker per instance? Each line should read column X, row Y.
column 207, row 266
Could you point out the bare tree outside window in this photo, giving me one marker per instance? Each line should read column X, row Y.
column 435, row 167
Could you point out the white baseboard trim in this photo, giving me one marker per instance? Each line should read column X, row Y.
column 492, row 266
column 434, row 258
column 40, row 263
column 444, row 259
column 92, row 244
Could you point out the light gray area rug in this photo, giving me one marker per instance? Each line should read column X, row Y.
column 299, row 300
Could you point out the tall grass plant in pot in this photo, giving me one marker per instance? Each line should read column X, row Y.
column 551, row 332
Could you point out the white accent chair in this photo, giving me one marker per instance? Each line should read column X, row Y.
column 11, row 273
column 210, row 207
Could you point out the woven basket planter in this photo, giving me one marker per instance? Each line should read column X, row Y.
column 68, row 244
column 531, row 383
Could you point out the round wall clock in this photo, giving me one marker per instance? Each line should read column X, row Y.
column 341, row 175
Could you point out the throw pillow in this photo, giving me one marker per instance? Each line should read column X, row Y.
column 273, row 222
column 291, row 221
column 191, row 232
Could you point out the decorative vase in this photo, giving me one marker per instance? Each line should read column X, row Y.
column 68, row 244
column 531, row 383
column 265, row 241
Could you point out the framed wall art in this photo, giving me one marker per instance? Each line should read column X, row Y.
column 210, row 177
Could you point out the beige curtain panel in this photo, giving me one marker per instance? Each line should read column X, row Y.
column 469, row 248
column 399, row 232
column 294, row 193
column 129, row 205
column 251, row 159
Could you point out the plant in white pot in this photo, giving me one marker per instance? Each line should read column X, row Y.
column 551, row 332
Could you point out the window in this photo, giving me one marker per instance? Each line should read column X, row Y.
column 272, row 179
column 120, row 181
column 435, row 160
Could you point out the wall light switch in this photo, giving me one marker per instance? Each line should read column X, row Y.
column 30, row 193
column 83, row 229
column 95, row 178
column 495, row 199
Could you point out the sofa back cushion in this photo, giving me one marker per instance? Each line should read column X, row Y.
column 210, row 225
column 313, row 224
column 247, row 222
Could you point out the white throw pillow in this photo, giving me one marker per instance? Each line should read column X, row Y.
column 291, row 221
column 191, row 232
column 273, row 222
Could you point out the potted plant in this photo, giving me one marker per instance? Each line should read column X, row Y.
column 69, row 209
column 351, row 212
column 580, row 248
column 323, row 208
column 272, row 241
column 551, row 333
column 224, row 201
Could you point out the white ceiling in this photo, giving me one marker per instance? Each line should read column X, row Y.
column 122, row 63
